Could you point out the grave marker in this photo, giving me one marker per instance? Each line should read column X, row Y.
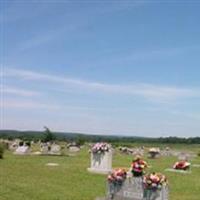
column 55, row 150
column 101, row 162
column 101, row 158
column 133, row 189
column 22, row 150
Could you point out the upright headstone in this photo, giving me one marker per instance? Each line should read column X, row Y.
column 55, row 150
column 74, row 149
column 44, row 149
column 22, row 150
column 154, row 152
column 159, row 194
column 101, row 161
column 133, row 189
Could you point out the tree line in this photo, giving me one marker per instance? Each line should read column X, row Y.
column 48, row 135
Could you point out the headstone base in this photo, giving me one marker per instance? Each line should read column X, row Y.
column 99, row 171
column 179, row 171
column 196, row 165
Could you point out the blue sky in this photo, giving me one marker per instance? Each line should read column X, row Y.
column 105, row 67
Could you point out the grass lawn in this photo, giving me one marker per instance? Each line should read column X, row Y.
column 28, row 178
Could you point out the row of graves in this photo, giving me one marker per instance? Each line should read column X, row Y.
column 152, row 152
column 132, row 151
column 134, row 183
column 24, row 148
column 19, row 147
column 156, row 152
column 50, row 149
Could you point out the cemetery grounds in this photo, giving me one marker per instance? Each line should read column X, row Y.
column 28, row 177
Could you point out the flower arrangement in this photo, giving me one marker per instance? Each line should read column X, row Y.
column 100, row 147
column 115, row 180
column 182, row 165
column 154, row 181
column 138, row 165
column 117, row 176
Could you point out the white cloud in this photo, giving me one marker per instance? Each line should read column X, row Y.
column 156, row 93
column 17, row 91
column 27, row 104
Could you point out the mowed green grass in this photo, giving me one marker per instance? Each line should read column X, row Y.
column 28, row 177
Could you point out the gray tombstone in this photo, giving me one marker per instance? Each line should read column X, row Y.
column 44, row 149
column 132, row 189
column 159, row 194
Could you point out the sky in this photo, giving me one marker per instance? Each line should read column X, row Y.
column 101, row 67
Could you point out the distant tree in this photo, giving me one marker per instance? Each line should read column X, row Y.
column 80, row 141
column 48, row 135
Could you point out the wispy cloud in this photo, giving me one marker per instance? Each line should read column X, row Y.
column 157, row 93
column 27, row 104
column 17, row 91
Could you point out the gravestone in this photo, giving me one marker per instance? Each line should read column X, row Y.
column 44, row 149
column 74, row 149
column 55, row 149
column 138, row 151
column 13, row 146
column 132, row 189
column 160, row 194
column 154, row 152
column 166, row 152
column 183, row 156
column 101, row 162
column 22, row 150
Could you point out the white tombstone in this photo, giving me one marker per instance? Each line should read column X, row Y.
column 101, row 162
column 74, row 149
column 55, row 150
column 22, row 150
